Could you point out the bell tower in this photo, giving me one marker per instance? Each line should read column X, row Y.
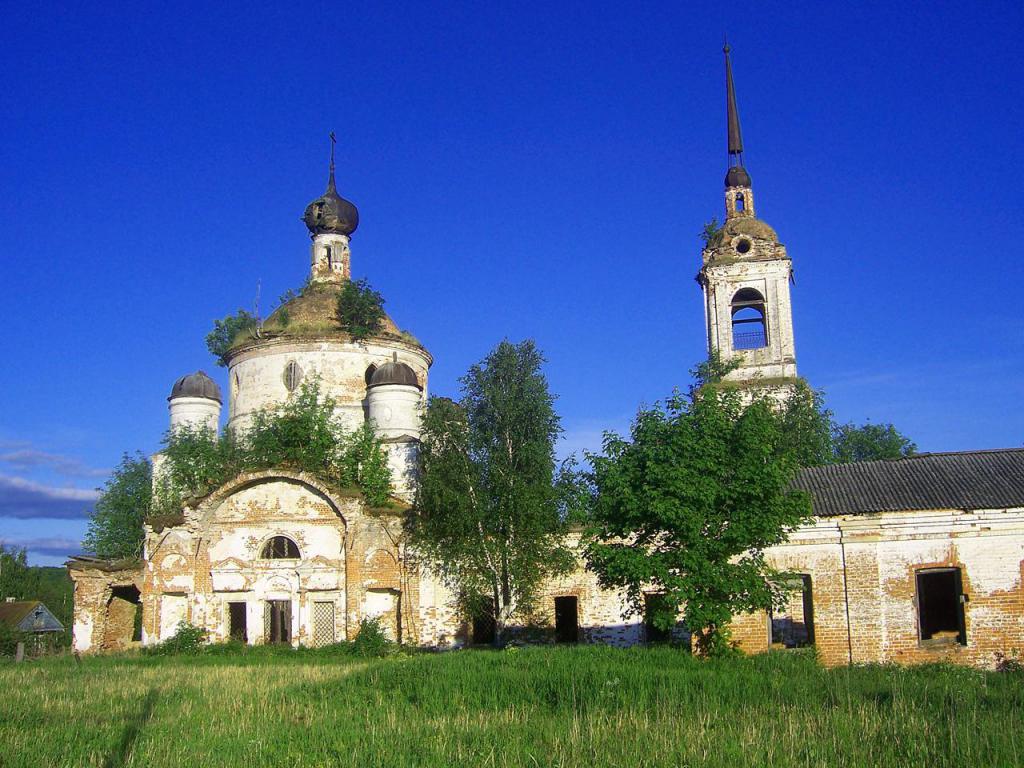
column 745, row 276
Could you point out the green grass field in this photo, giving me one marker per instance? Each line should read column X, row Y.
column 583, row 706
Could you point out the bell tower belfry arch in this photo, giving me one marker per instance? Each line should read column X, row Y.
column 745, row 276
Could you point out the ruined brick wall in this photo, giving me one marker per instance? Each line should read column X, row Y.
column 865, row 594
column 102, row 620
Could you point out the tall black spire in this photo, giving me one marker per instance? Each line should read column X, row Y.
column 733, row 114
column 330, row 179
column 737, row 175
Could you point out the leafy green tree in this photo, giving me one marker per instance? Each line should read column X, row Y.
column 14, row 573
column 225, row 331
column 711, row 234
column 363, row 464
column 869, row 442
column 360, row 309
column 197, row 460
column 302, row 433
column 686, row 507
column 491, row 510
column 115, row 524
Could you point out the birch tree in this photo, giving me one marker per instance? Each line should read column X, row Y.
column 492, row 507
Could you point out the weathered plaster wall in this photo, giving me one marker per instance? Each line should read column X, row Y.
column 256, row 376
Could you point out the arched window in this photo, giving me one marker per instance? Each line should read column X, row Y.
column 369, row 374
column 280, row 548
column 749, row 330
column 740, row 203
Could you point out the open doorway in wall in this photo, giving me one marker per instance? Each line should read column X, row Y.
column 484, row 628
column 277, row 621
column 654, row 604
column 940, row 606
column 237, row 622
column 124, row 617
column 792, row 625
column 567, row 622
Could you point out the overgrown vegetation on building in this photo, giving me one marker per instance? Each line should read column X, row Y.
column 226, row 330
column 360, row 309
column 303, row 434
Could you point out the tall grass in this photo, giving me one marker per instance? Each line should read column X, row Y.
column 584, row 706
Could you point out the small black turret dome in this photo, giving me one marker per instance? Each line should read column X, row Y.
column 331, row 213
column 196, row 384
column 737, row 177
column 394, row 373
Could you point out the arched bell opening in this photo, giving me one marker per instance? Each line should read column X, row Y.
column 749, row 327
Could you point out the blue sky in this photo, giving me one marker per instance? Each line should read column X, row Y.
column 531, row 171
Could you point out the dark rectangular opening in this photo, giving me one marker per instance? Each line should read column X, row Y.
column 793, row 625
column 940, row 606
column 279, row 621
column 129, row 596
column 567, row 622
column 483, row 623
column 653, row 605
column 237, row 629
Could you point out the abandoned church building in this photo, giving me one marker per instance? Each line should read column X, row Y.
column 911, row 560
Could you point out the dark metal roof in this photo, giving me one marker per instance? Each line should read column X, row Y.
column 737, row 176
column 991, row 479
column 394, row 373
column 196, row 384
column 331, row 213
column 29, row 616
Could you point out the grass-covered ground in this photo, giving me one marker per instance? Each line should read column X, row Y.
column 584, row 706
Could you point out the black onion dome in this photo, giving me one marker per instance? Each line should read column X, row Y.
column 737, row 177
column 196, row 384
column 395, row 373
column 331, row 213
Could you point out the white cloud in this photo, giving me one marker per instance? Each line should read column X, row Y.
column 25, row 458
column 26, row 499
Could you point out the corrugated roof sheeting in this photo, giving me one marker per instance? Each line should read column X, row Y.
column 965, row 480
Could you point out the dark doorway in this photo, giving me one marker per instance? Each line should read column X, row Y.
column 567, row 623
column 793, row 624
column 279, row 621
column 940, row 606
column 653, row 605
column 483, row 623
column 124, row 616
column 237, row 629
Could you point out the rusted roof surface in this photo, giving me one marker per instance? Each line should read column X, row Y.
column 29, row 616
column 992, row 479
column 12, row 614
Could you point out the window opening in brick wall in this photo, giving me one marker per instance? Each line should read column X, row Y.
column 237, row 629
column 654, row 604
column 748, row 320
column 567, row 622
column 792, row 625
column 740, row 203
column 277, row 621
column 940, row 606
column 484, row 628
column 280, row 548
column 369, row 374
